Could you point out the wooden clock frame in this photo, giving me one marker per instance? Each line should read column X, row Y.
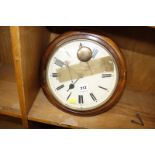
column 110, row 46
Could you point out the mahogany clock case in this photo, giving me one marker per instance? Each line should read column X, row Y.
column 105, row 42
column 21, row 96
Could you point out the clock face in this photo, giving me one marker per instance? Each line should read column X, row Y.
column 81, row 75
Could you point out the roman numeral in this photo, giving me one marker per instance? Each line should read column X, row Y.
column 80, row 45
column 93, row 97
column 103, row 88
column 59, row 62
column 68, row 96
column 54, row 74
column 95, row 51
column 106, row 75
column 80, row 98
column 60, row 87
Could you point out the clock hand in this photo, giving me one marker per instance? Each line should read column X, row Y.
column 80, row 45
column 76, row 80
column 72, row 85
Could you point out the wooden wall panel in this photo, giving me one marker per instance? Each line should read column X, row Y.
column 138, row 47
column 140, row 71
column 33, row 42
column 28, row 45
column 134, row 38
column 5, row 45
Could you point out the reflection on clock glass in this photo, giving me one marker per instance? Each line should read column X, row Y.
column 82, row 74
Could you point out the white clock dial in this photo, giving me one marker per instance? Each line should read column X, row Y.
column 81, row 85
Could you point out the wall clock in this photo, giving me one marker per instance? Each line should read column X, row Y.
column 83, row 73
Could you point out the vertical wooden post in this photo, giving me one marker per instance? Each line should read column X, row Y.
column 16, row 49
column 28, row 45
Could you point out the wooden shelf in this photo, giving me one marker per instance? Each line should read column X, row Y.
column 9, row 103
column 138, row 97
column 119, row 116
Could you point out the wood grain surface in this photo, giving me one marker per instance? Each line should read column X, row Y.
column 9, row 102
column 28, row 43
column 5, row 46
column 119, row 116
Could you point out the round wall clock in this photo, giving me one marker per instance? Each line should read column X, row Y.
column 83, row 73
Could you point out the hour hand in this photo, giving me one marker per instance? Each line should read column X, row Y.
column 71, row 86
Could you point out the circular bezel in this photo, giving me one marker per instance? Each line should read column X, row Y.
column 105, row 42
